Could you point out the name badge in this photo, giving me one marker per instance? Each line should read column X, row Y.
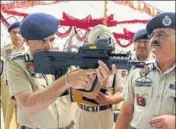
column 143, row 82
column 140, row 100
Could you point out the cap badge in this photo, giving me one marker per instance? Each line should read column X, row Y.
column 166, row 21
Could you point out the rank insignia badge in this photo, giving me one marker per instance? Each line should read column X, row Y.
column 144, row 71
column 30, row 67
column 140, row 100
column 9, row 51
column 167, row 21
column 143, row 80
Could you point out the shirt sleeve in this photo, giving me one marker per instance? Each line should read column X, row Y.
column 3, row 52
column 120, row 81
column 16, row 78
column 117, row 79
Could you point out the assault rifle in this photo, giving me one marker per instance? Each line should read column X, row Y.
column 57, row 63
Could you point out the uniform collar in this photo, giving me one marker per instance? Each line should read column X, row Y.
column 150, row 57
column 12, row 46
column 30, row 55
column 173, row 68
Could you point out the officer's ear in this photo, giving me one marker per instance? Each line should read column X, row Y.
column 134, row 46
column 26, row 41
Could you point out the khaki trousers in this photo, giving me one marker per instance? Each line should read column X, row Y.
column 8, row 108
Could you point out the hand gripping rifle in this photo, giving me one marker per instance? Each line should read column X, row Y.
column 57, row 63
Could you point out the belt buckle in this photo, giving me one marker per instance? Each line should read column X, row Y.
column 91, row 109
column 97, row 109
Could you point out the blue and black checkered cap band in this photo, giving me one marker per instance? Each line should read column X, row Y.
column 163, row 20
column 13, row 26
column 38, row 26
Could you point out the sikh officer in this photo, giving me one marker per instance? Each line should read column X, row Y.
column 16, row 46
column 150, row 95
column 39, row 104
column 100, row 116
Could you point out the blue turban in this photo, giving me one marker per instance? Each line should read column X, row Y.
column 38, row 26
column 140, row 34
column 164, row 20
column 14, row 25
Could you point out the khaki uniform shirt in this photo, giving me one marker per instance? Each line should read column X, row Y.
column 150, row 57
column 21, row 77
column 121, row 81
column 9, row 50
column 158, row 98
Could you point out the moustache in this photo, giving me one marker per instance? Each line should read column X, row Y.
column 17, row 39
column 155, row 43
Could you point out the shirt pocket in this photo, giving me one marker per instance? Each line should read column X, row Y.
column 37, row 83
column 170, row 101
column 144, row 92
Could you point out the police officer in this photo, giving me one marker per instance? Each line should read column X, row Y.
column 100, row 116
column 37, row 95
column 142, row 51
column 16, row 46
column 150, row 95
column 142, row 46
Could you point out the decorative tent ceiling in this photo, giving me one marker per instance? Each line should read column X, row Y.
column 78, row 17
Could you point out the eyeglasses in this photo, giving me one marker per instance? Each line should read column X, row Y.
column 159, row 34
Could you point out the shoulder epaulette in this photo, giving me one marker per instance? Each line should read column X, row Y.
column 6, row 45
column 20, row 56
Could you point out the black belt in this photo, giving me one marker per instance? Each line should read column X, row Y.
column 94, row 108
column 25, row 127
